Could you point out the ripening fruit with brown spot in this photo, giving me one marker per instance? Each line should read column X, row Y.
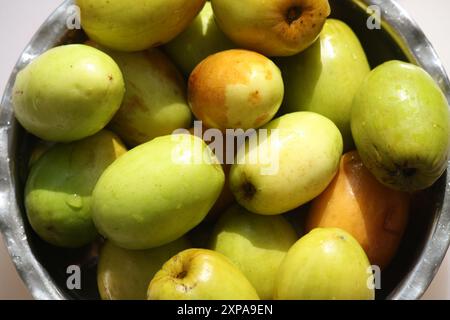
column 357, row 203
column 235, row 89
column 273, row 28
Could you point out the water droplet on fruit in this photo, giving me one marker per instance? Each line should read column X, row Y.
column 74, row 201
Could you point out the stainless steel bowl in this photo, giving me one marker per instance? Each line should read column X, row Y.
column 44, row 268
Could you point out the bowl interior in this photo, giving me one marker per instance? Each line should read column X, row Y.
column 379, row 46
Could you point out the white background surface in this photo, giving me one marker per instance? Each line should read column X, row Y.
column 19, row 19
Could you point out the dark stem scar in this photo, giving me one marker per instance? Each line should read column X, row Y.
column 293, row 14
column 181, row 275
column 249, row 190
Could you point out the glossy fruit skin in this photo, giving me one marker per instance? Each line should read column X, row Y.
column 293, row 166
column 58, row 192
column 325, row 264
column 266, row 26
column 200, row 274
column 375, row 215
column 157, row 192
column 256, row 244
column 325, row 77
column 135, row 25
column 68, row 93
column 235, row 89
column 155, row 102
column 400, row 124
column 125, row 274
column 201, row 39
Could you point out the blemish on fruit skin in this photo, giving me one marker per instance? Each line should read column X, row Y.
column 261, row 119
column 133, row 104
column 254, row 97
column 186, row 288
column 110, row 77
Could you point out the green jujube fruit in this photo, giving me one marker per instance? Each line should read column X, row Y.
column 155, row 99
column 200, row 274
column 59, row 188
column 134, row 25
column 400, row 124
column 325, row 264
column 201, row 39
column 256, row 244
column 157, row 192
column 124, row 274
column 68, row 93
column 325, row 77
column 287, row 163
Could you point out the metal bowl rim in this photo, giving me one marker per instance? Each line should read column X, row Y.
column 39, row 282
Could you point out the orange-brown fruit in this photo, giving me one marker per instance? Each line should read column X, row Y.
column 357, row 203
column 273, row 27
column 235, row 89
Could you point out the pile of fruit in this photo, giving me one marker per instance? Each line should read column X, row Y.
column 215, row 208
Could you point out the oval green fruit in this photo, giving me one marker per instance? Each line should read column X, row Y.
column 155, row 102
column 68, row 93
column 290, row 161
column 256, row 244
column 325, row 264
column 157, row 192
column 134, row 25
column 125, row 274
column 325, row 77
column 400, row 124
column 59, row 188
column 200, row 274
column 201, row 39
